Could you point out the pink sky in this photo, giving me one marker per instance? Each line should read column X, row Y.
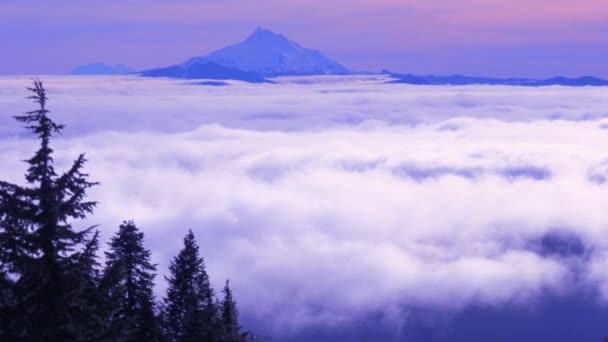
column 498, row 37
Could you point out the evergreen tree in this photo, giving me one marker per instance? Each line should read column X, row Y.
column 229, row 318
column 190, row 312
column 7, row 303
column 7, row 285
column 88, row 309
column 127, row 283
column 46, row 265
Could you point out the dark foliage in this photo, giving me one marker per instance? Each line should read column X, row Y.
column 189, row 312
column 127, row 285
column 229, row 318
column 48, row 267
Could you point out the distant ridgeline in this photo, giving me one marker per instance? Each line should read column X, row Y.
column 469, row 80
column 266, row 54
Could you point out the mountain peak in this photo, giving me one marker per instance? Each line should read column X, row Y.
column 266, row 35
column 267, row 54
column 262, row 30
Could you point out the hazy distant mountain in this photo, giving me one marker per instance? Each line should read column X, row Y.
column 471, row 80
column 101, row 69
column 268, row 54
column 581, row 81
column 204, row 70
column 405, row 78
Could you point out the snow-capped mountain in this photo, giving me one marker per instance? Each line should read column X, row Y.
column 267, row 53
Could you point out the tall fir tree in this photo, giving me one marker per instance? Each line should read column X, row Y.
column 7, row 300
column 46, row 264
column 127, row 283
column 229, row 318
column 7, row 284
column 189, row 311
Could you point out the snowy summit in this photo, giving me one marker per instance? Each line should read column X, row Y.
column 268, row 54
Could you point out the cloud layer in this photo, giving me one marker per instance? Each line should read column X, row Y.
column 328, row 201
column 89, row 104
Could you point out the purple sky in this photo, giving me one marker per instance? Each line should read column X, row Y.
column 538, row 38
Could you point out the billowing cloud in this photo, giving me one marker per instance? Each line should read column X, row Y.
column 328, row 201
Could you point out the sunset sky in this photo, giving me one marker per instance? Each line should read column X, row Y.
column 539, row 38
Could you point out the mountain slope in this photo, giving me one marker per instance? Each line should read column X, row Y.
column 268, row 54
column 204, row 70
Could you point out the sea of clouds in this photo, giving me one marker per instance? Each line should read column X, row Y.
column 327, row 199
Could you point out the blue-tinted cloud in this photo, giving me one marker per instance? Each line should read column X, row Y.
column 353, row 197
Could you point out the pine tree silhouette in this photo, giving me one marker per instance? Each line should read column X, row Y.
column 127, row 283
column 51, row 264
column 190, row 313
column 229, row 318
